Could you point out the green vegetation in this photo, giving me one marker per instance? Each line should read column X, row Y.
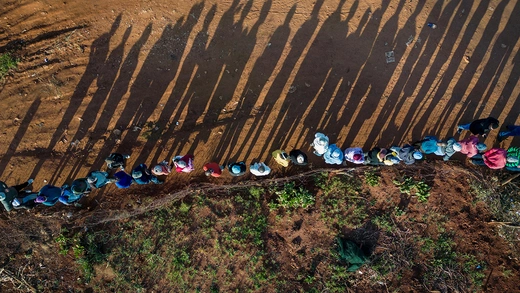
column 290, row 197
column 7, row 62
column 257, row 239
column 411, row 187
column 371, row 178
column 342, row 202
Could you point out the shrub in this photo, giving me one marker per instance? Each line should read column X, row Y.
column 293, row 197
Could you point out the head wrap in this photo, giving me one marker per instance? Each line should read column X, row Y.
column 481, row 146
column 235, row 169
column 417, row 155
column 457, row 147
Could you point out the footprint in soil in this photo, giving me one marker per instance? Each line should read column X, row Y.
column 297, row 225
column 297, row 240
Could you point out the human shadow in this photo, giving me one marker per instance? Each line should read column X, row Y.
column 298, row 44
column 177, row 100
column 18, row 136
column 98, row 54
column 368, row 90
column 261, row 72
column 157, row 72
column 219, row 69
column 412, row 71
column 493, row 70
column 105, row 80
column 434, row 107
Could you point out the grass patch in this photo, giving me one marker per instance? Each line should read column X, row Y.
column 7, row 62
column 292, row 196
column 412, row 187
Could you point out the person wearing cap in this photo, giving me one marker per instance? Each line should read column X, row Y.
column 123, row 180
column 213, row 169
column 259, row 169
column 480, row 127
column 513, row 159
column 48, row 195
column 494, row 158
column 162, row 169
column 470, row 146
column 116, row 160
column 281, row 157
column 142, row 175
column 8, row 194
column 354, row 155
column 333, row 155
column 512, row 130
column 298, row 157
column 183, row 163
column 237, row 169
column 98, row 179
column 320, row 144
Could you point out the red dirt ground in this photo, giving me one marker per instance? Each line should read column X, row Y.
column 235, row 80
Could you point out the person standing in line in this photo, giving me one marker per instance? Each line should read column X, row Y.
column 320, row 144
column 333, row 155
column 471, row 146
column 117, row 160
column 480, row 127
column 512, row 130
column 494, row 158
column 354, row 155
column 123, row 180
column 281, row 157
column 162, row 169
column 237, row 169
column 213, row 169
column 183, row 164
column 259, row 169
column 8, row 194
column 142, row 175
column 513, row 159
column 98, row 179
column 298, row 157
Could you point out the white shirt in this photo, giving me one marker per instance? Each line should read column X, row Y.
column 321, row 143
column 254, row 169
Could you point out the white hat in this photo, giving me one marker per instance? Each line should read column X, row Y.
column 300, row 159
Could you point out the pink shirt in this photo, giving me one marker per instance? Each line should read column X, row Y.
column 469, row 146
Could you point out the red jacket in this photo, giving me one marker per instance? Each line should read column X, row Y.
column 495, row 158
column 215, row 167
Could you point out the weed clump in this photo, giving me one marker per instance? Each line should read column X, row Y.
column 411, row 187
column 7, row 62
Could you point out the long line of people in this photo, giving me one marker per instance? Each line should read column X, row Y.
column 16, row 197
